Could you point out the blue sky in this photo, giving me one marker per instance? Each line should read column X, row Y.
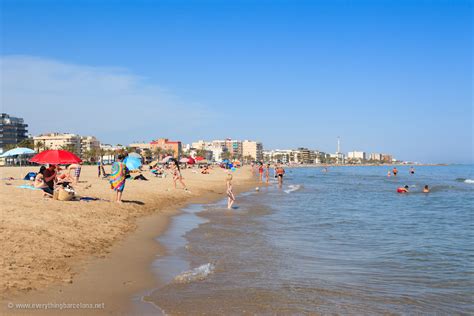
column 385, row 76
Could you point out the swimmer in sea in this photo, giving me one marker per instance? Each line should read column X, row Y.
column 403, row 189
column 412, row 170
column 395, row 171
column 389, row 174
column 426, row 189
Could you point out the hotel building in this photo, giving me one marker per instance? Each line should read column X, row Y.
column 12, row 130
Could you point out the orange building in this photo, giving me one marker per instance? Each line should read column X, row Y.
column 166, row 144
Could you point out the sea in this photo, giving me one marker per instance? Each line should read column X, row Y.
column 336, row 242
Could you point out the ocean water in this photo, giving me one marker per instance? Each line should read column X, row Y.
column 341, row 242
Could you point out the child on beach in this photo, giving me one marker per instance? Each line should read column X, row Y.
column 117, row 178
column 230, row 194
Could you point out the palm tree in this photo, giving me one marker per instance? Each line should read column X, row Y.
column 158, row 152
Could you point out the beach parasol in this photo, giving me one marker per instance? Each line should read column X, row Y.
column 184, row 160
column 132, row 163
column 165, row 160
column 55, row 157
column 17, row 152
column 199, row 158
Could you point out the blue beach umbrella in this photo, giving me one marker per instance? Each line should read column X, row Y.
column 135, row 155
column 17, row 152
column 132, row 163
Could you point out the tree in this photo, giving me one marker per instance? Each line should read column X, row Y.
column 69, row 147
column 225, row 155
column 158, row 152
column 27, row 143
column 201, row 152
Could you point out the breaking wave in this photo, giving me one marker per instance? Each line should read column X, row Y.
column 196, row 274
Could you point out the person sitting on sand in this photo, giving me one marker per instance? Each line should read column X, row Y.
column 403, row 189
column 229, row 192
column 205, row 170
column 40, row 184
column 117, row 178
column 49, row 176
column 426, row 189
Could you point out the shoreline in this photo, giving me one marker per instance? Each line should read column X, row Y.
column 114, row 274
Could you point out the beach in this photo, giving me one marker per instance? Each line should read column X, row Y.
column 91, row 251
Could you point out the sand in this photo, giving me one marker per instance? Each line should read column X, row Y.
column 55, row 251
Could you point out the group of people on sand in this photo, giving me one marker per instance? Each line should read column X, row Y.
column 53, row 177
column 120, row 173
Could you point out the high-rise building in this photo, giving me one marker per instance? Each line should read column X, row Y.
column 12, row 130
column 252, row 149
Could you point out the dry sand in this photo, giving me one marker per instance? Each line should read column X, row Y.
column 55, row 251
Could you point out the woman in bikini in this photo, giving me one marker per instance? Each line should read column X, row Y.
column 177, row 174
column 230, row 194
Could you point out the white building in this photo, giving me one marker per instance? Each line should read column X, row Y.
column 357, row 155
column 376, row 156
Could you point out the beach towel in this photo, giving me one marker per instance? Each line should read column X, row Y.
column 27, row 186
column 117, row 177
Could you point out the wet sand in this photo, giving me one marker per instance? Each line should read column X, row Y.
column 85, row 252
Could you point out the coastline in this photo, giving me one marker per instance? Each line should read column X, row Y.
column 112, row 274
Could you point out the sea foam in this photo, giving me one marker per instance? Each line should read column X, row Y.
column 292, row 188
column 196, row 274
column 470, row 181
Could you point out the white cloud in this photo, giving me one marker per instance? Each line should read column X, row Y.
column 110, row 103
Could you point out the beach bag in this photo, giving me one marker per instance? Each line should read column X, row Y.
column 63, row 194
column 30, row 176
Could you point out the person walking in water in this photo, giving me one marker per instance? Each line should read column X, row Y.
column 280, row 172
column 260, row 172
column 177, row 174
column 395, row 171
column 229, row 192
column 117, row 178
column 267, row 173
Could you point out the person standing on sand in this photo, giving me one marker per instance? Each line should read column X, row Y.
column 177, row 174
column 117, row 178
column 99, row 162
column 229, row 192
column 280, row 172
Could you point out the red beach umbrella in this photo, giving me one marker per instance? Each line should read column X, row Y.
column 191, row 161
column 199, row 158
column 55, row 157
